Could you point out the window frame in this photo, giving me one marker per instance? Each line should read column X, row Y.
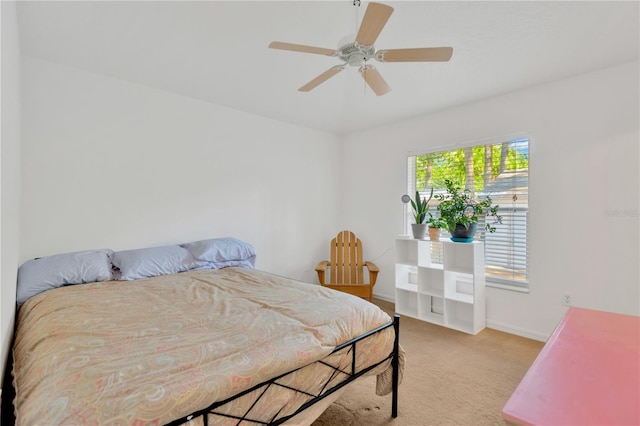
column 491, row 281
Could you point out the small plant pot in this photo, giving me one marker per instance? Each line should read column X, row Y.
column 462, row 234
column 419, row 230
column 434, row 234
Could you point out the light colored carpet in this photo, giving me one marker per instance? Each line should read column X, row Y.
column 451, row 378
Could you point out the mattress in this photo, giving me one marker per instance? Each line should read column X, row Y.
column 154, row 350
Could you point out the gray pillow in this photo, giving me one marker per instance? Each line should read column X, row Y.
column 223, row 252
column 45, row 273
column 154, row 261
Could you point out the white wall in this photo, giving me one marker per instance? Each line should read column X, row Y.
column 584, row 158
column 111, row 164
column 107, row 163
column 9, row 174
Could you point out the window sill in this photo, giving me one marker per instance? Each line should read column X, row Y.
column 507, row 287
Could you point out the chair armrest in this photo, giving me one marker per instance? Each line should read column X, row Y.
column 321, row 268
column 372, row 267
column 373, row 272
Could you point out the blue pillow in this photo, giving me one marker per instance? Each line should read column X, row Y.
column 223, row 252
column 154, row 261
column 46, row 273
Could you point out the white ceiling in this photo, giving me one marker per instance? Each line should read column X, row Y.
column 217, row 51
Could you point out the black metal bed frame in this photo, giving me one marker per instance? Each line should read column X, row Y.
column 352, row 375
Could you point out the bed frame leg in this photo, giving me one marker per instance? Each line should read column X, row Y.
column 395, row 366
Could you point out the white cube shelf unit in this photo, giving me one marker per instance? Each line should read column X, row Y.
column 450, row 293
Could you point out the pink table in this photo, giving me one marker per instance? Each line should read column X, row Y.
column 588, row 373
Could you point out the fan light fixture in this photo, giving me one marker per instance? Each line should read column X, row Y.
column 358, row 52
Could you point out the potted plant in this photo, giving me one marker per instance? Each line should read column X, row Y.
column 460, row 212
column 419, row 207
column 435, row 224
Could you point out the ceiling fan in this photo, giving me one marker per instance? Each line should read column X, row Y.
column 358, row 52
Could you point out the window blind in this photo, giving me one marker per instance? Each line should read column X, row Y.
column 499, row 170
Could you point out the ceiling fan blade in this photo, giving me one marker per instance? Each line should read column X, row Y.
column 301, row 48
column 374, row 80
column 321, row 78
column 374, row 20
column 425, row 54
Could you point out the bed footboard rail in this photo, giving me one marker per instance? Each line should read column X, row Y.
column 325, row 391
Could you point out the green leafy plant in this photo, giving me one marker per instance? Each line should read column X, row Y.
column 436, row 222
column 458, row 207
column 420, row 207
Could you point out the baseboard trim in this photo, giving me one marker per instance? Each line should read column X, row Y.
column 518, row 331
column 496, row 325
column 389, row 299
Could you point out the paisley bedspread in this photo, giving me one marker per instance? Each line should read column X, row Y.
column 154, row 350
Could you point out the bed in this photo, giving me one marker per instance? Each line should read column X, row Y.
column 206, row 343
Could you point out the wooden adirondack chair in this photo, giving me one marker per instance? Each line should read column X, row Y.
column 347, row 267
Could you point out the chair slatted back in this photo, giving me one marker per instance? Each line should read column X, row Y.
column 346, row 259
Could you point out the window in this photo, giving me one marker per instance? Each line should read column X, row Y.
column 499, row 170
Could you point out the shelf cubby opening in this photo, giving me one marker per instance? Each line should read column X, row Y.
column 431, row 308
column 459, row 316
column 407, row 277
column 407, row 251
column 459, row 286
column 431, row 281
column 424, row 253
column 406, row 303
column 459, row 257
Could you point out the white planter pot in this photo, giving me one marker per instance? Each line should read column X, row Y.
column 419, row 230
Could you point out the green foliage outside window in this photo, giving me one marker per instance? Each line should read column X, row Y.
column 432, row 170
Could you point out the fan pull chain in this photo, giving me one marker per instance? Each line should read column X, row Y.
column 364, row 81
